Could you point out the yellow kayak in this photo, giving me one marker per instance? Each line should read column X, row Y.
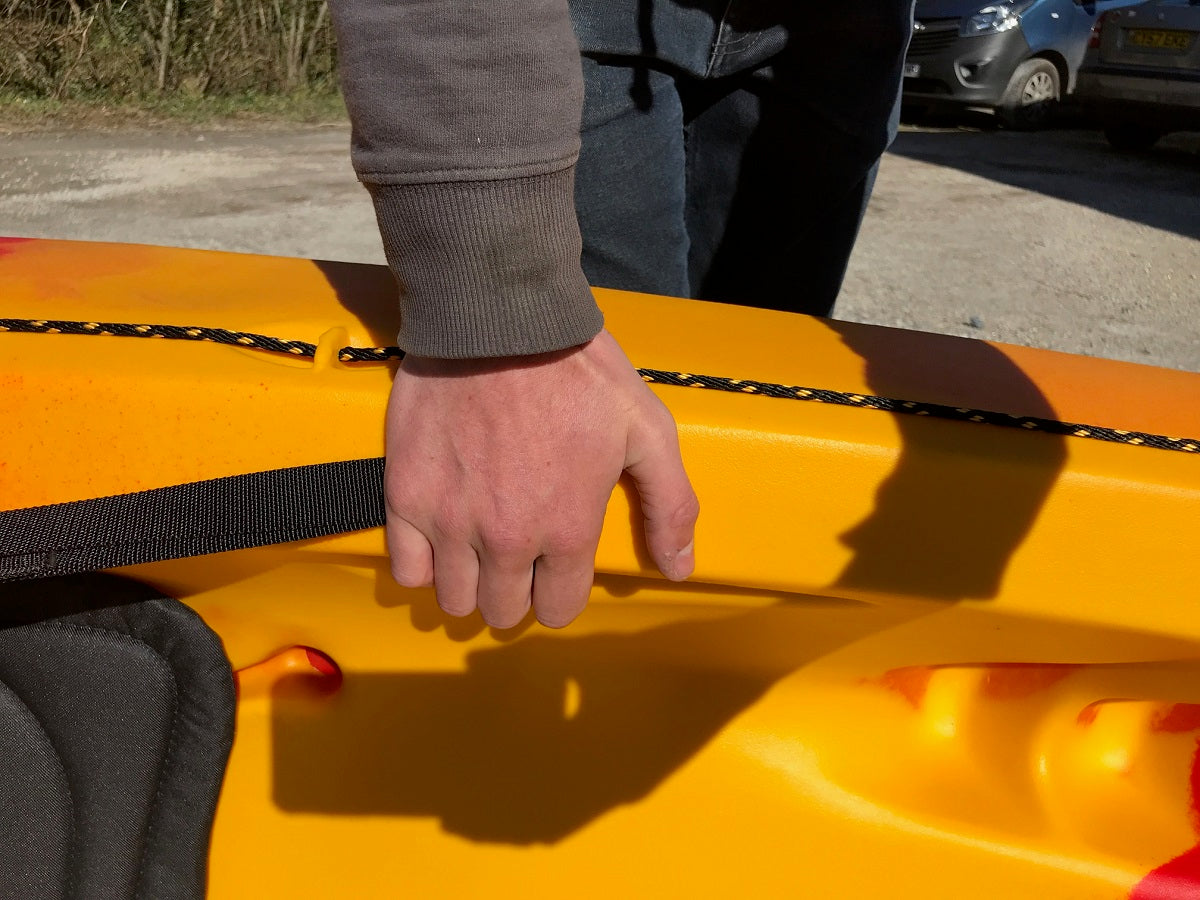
column 942, row 646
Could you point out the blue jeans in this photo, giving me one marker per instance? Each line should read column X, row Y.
column 730, row 146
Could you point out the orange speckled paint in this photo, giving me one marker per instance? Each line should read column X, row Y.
column 911, row 683
column 1178, row 879
column 8, row 245
column 1013, row 681
column 1000, row 681
column 1180, row 717
column 308, row 672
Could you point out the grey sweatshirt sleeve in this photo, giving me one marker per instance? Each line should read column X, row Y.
column 465, row 118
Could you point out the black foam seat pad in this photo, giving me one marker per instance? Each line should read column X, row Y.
column 116, row 722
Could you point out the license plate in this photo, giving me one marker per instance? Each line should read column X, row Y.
column 912, row 70
column 1159, row 39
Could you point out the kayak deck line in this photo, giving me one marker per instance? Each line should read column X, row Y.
column 304, row 349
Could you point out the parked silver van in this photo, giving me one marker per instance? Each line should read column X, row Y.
column 1017, row 58
column 1141, row 76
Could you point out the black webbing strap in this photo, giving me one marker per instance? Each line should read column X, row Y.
column 191, row 519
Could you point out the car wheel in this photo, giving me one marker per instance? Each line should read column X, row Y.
column 1130, row 137
column 1031, row 98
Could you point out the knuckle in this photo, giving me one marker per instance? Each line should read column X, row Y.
column 398, row 505
column 400, row 497
column 509, row 543
column 661, row 425
column 572, row 541
column 665, row 421
column 451, row 527
column 685, row 513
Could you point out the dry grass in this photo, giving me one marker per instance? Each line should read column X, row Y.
column 122, row 52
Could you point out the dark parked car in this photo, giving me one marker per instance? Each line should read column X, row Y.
column 1017, row 58
column 1141, row 76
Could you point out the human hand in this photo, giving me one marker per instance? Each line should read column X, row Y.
column 499, row 472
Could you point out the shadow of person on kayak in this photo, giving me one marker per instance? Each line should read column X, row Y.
column 961, row 497
column 537, row 738
column 541, row 736
column 369, row 293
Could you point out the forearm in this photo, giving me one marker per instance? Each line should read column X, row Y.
column 465, row 121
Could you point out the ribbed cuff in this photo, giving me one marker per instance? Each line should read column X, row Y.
column 487, row 268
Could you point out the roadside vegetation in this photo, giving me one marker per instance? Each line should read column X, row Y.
column 98, row 61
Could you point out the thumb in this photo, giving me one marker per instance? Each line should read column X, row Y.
column 669, row 505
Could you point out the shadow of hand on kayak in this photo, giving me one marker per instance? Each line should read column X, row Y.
column 962, row 496
column 539, row 737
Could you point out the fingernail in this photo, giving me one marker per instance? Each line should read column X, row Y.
column 684, row 563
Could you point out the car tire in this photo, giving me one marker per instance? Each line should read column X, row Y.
column 1031, row 99
column 1130, row 137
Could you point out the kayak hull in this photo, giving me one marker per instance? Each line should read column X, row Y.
column 918, row 657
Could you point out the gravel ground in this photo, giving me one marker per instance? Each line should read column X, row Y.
column 1049, row 239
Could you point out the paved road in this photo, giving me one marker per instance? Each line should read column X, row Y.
column 1045, row 239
